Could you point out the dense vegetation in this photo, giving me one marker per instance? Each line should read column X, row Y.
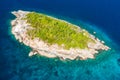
column 55, row 31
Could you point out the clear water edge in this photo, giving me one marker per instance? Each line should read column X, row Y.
column 22, row 67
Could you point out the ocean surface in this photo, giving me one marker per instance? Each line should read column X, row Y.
column 101, row 16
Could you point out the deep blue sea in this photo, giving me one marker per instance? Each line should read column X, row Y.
column 101, row 16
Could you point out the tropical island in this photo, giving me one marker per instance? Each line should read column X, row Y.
column 52, row 37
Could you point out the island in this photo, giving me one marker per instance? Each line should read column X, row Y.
column 52, row 37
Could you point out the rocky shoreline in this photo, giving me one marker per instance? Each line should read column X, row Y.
column 20, row 27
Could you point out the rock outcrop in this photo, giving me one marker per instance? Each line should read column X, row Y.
column 20, row 27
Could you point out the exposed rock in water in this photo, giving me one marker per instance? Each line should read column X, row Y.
column 21, row 26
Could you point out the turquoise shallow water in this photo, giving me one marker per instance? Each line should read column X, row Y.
column 106, row 65
column 16, row 65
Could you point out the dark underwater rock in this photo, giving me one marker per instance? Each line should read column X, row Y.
column 118, row 61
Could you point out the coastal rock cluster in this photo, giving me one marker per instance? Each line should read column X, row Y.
column 20, row 27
